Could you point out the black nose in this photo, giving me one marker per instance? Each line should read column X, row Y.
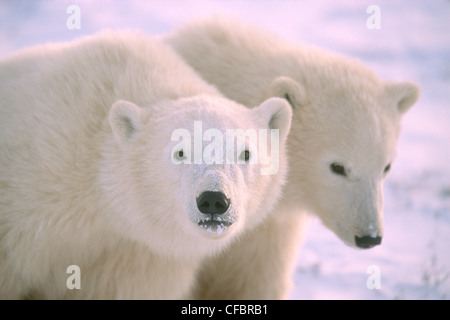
column 211, row 202
column 367, row 242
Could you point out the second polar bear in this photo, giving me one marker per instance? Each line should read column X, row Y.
column 110, row 167
column 342, row 143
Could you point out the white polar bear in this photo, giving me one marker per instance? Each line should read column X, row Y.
column 91, row 179
column 341, row 145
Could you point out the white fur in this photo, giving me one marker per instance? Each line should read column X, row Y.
column 343, row 113
column 86, row 170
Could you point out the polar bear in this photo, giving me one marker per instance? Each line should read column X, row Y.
column 342, row 144
column 99, row 196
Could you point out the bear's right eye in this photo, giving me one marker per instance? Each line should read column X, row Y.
column 245, row 156
column 179, row 155
column 338, row 169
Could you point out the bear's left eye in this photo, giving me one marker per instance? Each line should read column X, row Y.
column 338, row 169
column 179, row 155
column 245, row 155
column 387, row 168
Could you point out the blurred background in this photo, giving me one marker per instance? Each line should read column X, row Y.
column 410, row 41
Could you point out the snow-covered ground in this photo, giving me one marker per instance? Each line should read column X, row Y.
column 413, row 44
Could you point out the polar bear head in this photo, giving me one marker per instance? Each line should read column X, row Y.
column 345, row 141
column 185, row 176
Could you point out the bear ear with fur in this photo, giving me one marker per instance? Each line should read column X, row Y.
column 289, row 89
column 276, row 114
column 125, row 119
column 404, row 94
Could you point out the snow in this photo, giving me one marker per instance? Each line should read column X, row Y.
column 413, row 44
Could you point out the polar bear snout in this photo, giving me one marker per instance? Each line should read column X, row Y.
column 367, row 242
column 213, row 202
column 216, row 212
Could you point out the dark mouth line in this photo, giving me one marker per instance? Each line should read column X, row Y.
column 214, row 222
column 213, row 225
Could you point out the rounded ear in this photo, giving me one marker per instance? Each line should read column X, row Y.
column 404, row 94
column 289, row 89
column 276, row 114
column 125, row 119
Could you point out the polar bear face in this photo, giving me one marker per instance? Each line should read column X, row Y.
column 194, row 174
column 348, row 135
